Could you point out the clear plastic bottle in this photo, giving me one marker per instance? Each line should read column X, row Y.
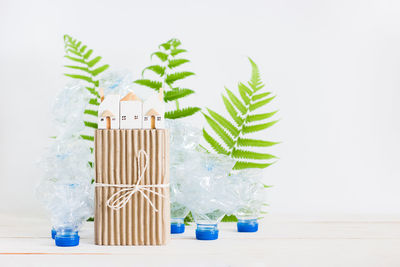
column 178, row 215
column 207, row 224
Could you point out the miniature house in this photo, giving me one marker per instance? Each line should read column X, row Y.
column 130, row 112
column 108, row 114
column 153, row 112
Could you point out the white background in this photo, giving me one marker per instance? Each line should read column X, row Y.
column 334, row 66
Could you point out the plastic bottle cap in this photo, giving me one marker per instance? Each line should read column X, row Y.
column 53, row 233
column 177, row 228
column 67, row 240
column 248, row 226
column 207, row 234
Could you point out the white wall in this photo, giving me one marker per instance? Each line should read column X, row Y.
column 333, row 64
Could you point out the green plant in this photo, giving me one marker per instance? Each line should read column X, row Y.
column 235, row 133
column 165, row 70
column 86, row 68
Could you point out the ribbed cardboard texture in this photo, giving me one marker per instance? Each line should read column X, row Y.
column 137, row 223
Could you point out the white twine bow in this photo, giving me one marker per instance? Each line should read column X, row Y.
column 123, row 195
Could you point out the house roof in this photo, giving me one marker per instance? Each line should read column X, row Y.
column 131, row 97
column 107, row 113
column 152, row 112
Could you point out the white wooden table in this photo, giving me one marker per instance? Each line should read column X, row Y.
column 281, row 241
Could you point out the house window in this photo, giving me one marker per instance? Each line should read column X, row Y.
column 113, row 119
column 124, row 118
column 146, row 118
column 136, row 117
column 102, row 119
column 158, row 118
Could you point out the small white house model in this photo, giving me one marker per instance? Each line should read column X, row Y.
column 108, row 114
column 153, row 111
column 130, row 110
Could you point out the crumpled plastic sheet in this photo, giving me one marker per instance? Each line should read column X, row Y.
column 118, row 83
column 65, row 189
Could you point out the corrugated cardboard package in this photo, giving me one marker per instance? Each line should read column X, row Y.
column 125, row 215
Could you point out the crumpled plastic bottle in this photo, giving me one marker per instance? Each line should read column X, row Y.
column 249, row 193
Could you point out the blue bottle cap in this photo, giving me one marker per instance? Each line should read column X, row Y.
column 69, row 240
column 207, row 232
column 249, row 226
column 177, row 228
column 53, row 233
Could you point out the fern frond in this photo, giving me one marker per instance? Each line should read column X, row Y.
column 157, row 69
column 181, row 113
column 238, row 104
column 214, row 144
column 224, row 122
column 175, row 52
column 257, row 127
column 76, row 59
column 260, row 103
column 91, row 112
column 240, row 165
column 149, row 83
column 244, row 96
column 243, row 87
column 91, row 124
column 176, row 94
column 87, row 137
column 245, row 142
column 246, row 154
column 88, row 54
column 166, row 45
column 99, row 70
column 94, row 101
column 93, row 62
column 173, row 63
column 220, row 131
column 80, row 77
column 232, row 111
column 173, row 77
column 93, row 91
column 161, row 55
column 260, row 96
column 85, row 69
column 259, row 117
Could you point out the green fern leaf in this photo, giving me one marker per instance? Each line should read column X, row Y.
column 260, row 96
column 76, row 59
column 257, row 127
column 176, row 94
column 87, row 137
column 91, row 124
column 245, row 142
column 224, row 122
column 93, row 61
column 181, row 113
column 162, row 56
column 149, row 83
column 232, row 111
column 157, row 69
column 166, row 46
column 173, row 77
column 91, row 112
column 245, row 88
column 259, row 117
column 87, row 54
column 93, row 91
column 94, row 101
column 99, row 70
column 214, row 144
column 83, row 48
column 175, row 42
column 220, row 131
column 244, row 96
column 261, row 103
column 173, row 63
column 246, row 154
column 240, row 165
column 238, row 104
column 73, row 52
column 175, row 52
column 255, row 81
column 78, row 68
column 80, row 77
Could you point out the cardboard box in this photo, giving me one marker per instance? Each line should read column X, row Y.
column 137, row 223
